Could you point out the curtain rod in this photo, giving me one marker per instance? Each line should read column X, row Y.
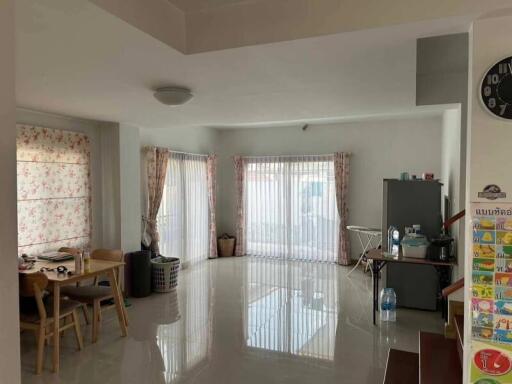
column 325, row 154
column 148, row 147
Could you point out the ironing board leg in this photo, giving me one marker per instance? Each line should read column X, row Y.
column 365, row 249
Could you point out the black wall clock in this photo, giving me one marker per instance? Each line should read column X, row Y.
column 496, row 89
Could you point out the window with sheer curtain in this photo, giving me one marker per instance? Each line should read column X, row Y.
column 54, row 191
column 290, row 207
column 183, row 217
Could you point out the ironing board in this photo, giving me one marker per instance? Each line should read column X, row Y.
column 368, row 238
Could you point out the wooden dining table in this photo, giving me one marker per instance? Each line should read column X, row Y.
column 57, row 280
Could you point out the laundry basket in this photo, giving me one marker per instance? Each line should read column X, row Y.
column 226, row 245
column 164, row 273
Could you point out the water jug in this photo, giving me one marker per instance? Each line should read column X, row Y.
column 387, row 304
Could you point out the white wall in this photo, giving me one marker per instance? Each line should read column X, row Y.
column 450, row 177
column 445, row 82
column 489, row 138
column 92, row 130
column 193, row 139
column 9, row 326
column 381, row 149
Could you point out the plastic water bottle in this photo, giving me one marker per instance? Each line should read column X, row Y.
column 387, row 304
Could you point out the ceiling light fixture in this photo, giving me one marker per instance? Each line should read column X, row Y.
column 173, row 95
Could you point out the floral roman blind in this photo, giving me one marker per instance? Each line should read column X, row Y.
column 54, row 189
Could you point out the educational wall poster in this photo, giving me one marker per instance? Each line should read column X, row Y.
column 491, row 287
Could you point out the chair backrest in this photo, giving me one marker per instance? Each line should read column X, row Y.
column 72, row 251
column 30, row 283
column 107, row 254
column 33, row 285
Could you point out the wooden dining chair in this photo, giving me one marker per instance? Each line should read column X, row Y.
column 77, row 252
column 94, row 295
column 32, row 285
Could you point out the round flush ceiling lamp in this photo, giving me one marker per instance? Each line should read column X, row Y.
column 173, row 95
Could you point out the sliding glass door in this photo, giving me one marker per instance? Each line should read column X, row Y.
column 290, row 207
column 183, row 216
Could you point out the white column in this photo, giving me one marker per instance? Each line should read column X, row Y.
column 489, row 138
column 121, row 189
column 9, row 336
column 130, row 187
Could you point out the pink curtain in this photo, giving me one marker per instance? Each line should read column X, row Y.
column 341, row 175
column 240, row 213
column 54, row 189
column 211, row 176
column 157, row 162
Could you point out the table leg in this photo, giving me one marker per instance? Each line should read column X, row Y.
column 125, row 313
column 56, row 326
column 375, row 268
column 118, row 301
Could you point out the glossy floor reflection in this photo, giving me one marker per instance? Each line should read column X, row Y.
column 243, row 320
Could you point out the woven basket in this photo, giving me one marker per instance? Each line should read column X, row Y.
column 226, row 246
column 164, row 273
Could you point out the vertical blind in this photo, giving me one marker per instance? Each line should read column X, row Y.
column 183, row 219
column 290, row 207
column 54, row 191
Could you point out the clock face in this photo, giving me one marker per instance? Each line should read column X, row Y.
column 496, row 89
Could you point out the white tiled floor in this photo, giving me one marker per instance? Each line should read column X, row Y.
column 243, row 320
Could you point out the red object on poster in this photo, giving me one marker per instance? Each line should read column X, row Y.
column 492, row 362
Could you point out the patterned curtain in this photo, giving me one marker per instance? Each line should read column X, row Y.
column 157, row 162
column 240, row 247
column 211, row 175
column 54, row 189
column 341, row 174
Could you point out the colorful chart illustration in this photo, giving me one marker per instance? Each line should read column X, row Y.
column 482, row 319
column 503, row 279
column 483, row 305
column 485, row 237
column 503, row 293
column 504, row 265
column 491, row 288
column 504, row 238
column 486, row 251
column 504, row 252
column 485, row 223
column 503, row 307
column 485, row 265
column 485, row 278
column 483, row 291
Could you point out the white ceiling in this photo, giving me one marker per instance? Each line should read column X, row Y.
column 74, row 58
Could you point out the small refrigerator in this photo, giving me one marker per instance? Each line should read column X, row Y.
column 406, row 203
